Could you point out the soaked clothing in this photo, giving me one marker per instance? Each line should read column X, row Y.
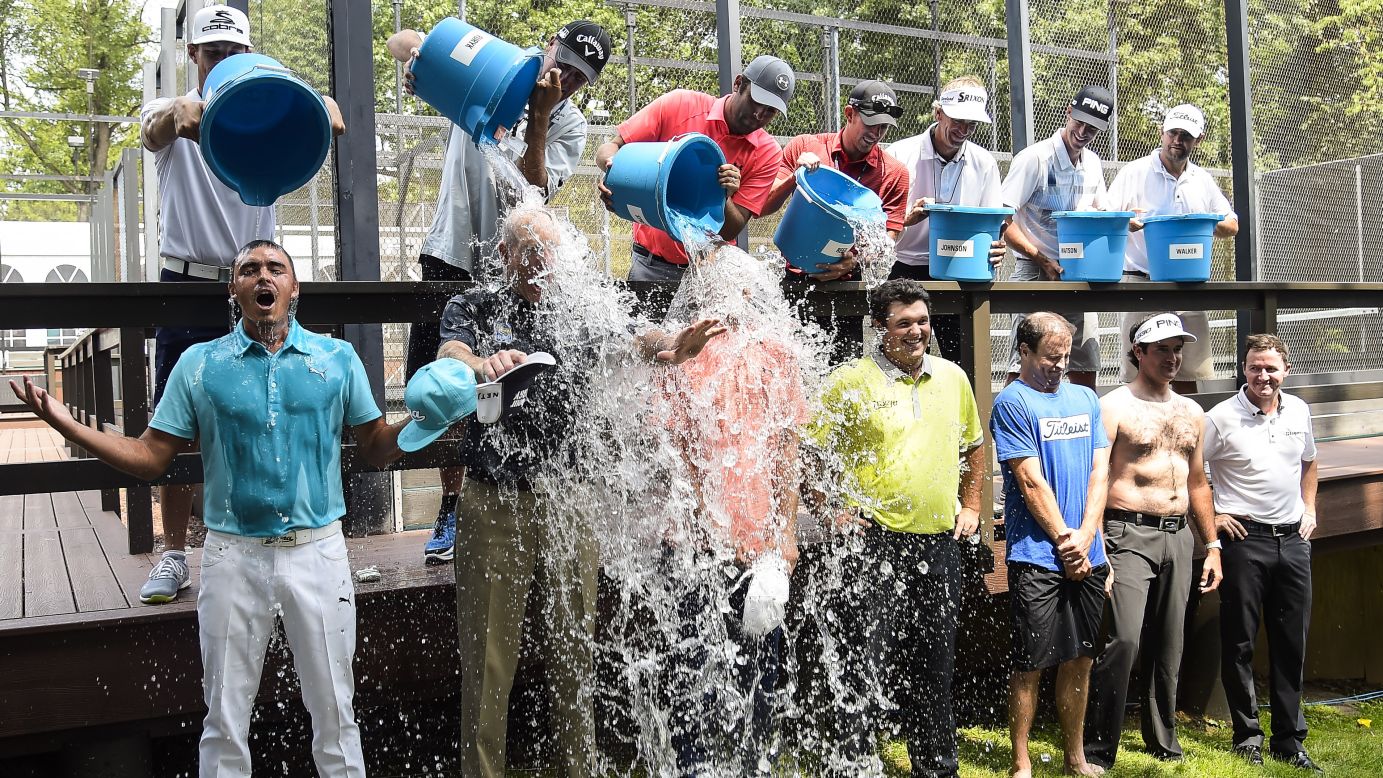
column 270, row 427
column 1055, row 619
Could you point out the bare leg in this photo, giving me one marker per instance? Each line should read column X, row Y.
column 452, row 479
column 1022, row 706
column 1072, row 692
column 175, row 505
column 1086, row 378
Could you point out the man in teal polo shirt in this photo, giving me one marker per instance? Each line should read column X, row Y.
column 268, row 402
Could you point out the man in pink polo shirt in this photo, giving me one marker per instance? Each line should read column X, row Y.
column 736, row 123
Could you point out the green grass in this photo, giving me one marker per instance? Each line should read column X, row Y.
column 1337, row 742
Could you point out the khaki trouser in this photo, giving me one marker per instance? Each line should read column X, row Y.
column 504, row 546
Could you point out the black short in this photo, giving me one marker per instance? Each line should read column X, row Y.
column 1055, row 619
column 425, row 338
column 171, row 342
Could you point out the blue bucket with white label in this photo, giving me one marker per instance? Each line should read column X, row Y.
column 1090, row 244
column 473, row 78
column 818, row 225
column 671, row 185
column 264, row 131
column 1180, row 246
column 960, row 239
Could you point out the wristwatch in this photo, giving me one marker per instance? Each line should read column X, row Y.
column 1214, row 545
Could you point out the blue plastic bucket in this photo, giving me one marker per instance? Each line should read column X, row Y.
column 669, row 185
column 1180, row 246
column 960, row 239
column 264, row 131
column 1091, row 244
column 475, row 79
column 816, row 229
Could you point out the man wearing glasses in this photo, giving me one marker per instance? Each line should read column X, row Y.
column 946, row 167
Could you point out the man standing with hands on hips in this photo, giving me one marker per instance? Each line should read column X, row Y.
column 1262, row 457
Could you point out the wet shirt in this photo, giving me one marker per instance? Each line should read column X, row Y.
column 270, row 427
column 1145, row 185
column 1062, row 429
column 878, row 172
column 509, row 451
column 200, row 219
column 681, row 111
column 971, row 178
column 900, row 441
column 1256, row 459
column 1042, row 180
column 464, row 227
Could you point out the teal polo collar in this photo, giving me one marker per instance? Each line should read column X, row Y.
column 296, row 339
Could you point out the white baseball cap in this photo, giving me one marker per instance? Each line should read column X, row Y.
column 965, row 104
column 1185, row 117
column 220, row 23
column 1161, row 327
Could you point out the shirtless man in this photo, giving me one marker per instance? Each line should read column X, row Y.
column 1156, row 476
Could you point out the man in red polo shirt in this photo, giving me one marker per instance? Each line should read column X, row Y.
column 872, row 109
column 736, row 123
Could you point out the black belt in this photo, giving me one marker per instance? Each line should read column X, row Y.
column 1165, row 523
column 1138, row 273
column 1268, row 530
column 645, row 252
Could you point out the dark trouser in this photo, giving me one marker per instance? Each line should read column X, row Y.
column 1152, row 583
column 1273, row 573
column 699, row 723
column 946, row 327
column 906, row 589
column 425, row 338
column 171, row 342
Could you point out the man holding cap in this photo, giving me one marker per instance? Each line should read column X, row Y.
column 946, row 167
column 1163, row 183
column 1059, row 174
column 736, row 123
column 471, row 202
column 1157, row 490
column 202, row 224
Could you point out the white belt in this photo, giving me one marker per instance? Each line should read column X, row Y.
column 197, row 269
column 302, row 536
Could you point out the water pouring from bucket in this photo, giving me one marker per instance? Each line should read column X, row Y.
column 818, row 226
column 671, row 186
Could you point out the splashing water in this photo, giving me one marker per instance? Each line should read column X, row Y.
column 875, row 250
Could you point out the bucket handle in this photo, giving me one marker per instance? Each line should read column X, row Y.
column 275, row 68
column 803, row 190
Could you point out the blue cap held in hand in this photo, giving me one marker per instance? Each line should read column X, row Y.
column 439, row 395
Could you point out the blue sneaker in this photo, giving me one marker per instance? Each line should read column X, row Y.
column 442, row 546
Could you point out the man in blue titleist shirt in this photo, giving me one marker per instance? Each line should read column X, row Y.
column 1051, row 442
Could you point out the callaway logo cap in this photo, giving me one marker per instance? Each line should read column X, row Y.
column 771, row 82
column 1094, row 105
column 1185, row 117
column 439, row 395
column 966, row 104
column 877, row 103
column 220, row 23
column 585, row 46
column 1161, row 327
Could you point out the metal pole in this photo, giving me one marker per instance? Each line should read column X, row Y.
column 151, row 249
column 129, row 188
column 1241, row 154
column 168, row 42
column 631, row 20
column 398, row 66
column 1113, row 84
column 461, row 10
column 835, row 78
column 936, row 44
column 1020, row 73
column 827, row 98
column 1359, row 217
column 728, row 48
column 993, row 87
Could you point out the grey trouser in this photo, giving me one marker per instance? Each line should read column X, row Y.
column 643, row 267
column 1152, row 583
column 504, row 546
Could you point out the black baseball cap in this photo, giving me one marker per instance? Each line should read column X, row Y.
column 1093, row 105
column 877, row 103
column 585, row 46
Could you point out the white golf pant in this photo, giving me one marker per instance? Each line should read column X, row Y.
column 245, row 584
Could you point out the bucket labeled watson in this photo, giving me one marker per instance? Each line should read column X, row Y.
column 1091, row 244
column 818, row 225
column 670, row 185
column 961, row 236
column 264, row 131
column 1180, row 246
column 475, row 79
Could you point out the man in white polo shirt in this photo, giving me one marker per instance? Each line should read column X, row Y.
column 1058, row 174
column 1262, row 459
column 946, row 167
column 1163, row 183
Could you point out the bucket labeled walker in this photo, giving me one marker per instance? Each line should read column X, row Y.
column 1180, row 246
column 961, row 236
column 671, row 185
column 473, row 78
column 264, row 131
column 818, row 225
column 1091, row 244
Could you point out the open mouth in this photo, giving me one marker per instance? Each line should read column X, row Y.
column 264, row 298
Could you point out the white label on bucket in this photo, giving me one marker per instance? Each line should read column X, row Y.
column 470, row 45
column 1073, row 251
column 836, row 249
column 636, row 214
column 955, row 248
column 1187, row 251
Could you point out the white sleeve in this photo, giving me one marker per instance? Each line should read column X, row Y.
column 1218, row 202
column 1024, row 174
column 991, row 192
column 1120, row 197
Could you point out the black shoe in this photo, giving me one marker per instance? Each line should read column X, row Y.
column 1251, row 754
column 1299, row 760
column 1166, row 756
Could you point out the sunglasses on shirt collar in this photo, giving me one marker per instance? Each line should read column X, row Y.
column 878, row 106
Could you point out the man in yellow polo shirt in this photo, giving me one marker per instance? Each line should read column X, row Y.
column 902, row 429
